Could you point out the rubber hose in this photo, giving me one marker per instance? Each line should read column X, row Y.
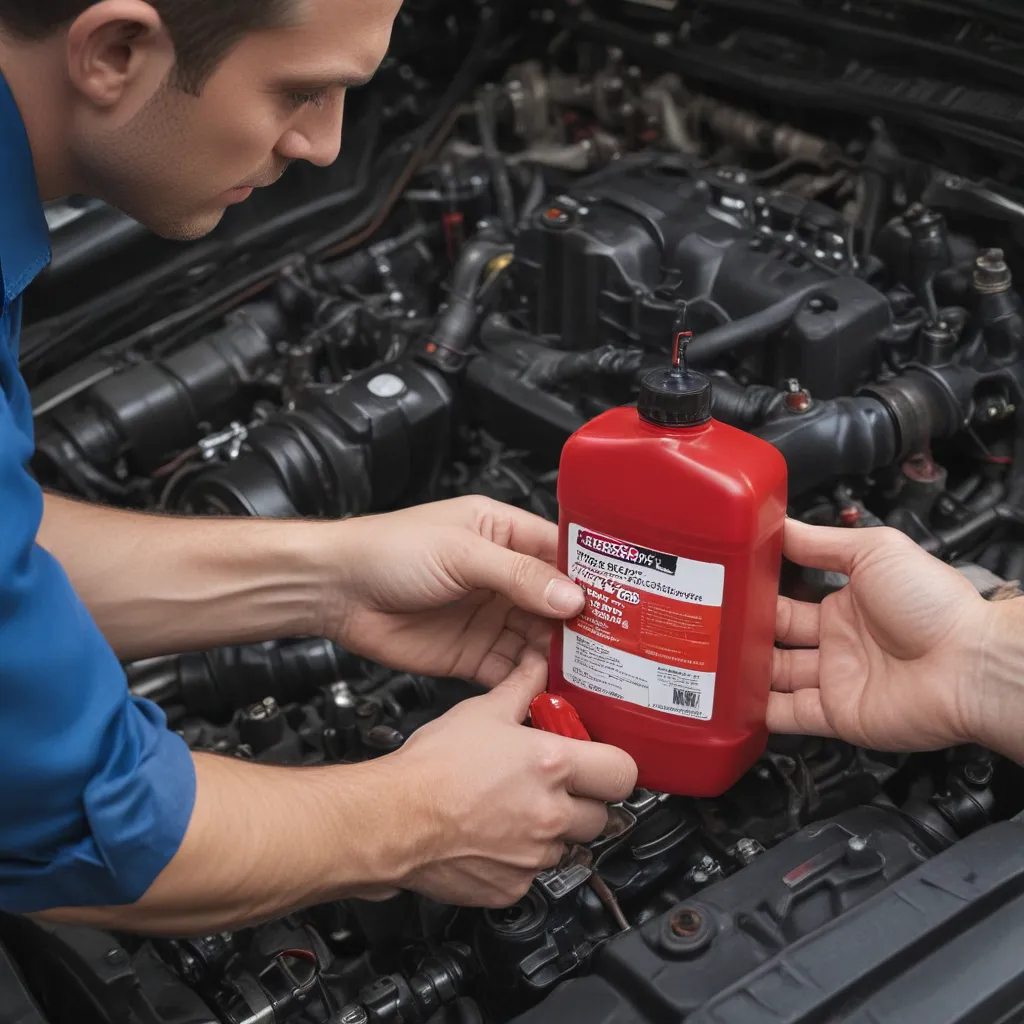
column 455, row 326
column 534, row 197
column 840, row 437
column 715, row 343
column 740, row 406
column 957, row 538
column 485, row 120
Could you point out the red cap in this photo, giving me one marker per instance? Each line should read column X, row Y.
column 555, row 714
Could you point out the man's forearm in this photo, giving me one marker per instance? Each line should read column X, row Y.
column 264, row 841
column 164, row 584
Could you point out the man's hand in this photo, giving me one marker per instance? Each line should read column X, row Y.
column 455, row 588
column 468, row 812
column 893, row 661
column 504, row 799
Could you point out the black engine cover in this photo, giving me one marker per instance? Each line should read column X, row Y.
column 848, row 921
column 606, row 262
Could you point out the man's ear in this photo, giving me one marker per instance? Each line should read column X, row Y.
column 114, row 45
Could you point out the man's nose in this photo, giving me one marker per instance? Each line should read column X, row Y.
column 317, row 137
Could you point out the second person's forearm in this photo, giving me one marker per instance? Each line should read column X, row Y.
column 994, row 703
column 164, row 584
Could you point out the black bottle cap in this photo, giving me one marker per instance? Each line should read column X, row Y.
column 675, row 396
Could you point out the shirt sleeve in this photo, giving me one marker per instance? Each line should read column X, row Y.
column 95, row 791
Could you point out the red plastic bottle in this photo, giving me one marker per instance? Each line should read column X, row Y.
column 672, row 522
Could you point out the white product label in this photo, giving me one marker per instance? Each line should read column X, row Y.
column 649, row 632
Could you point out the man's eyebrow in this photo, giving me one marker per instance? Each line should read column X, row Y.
column 314, row 82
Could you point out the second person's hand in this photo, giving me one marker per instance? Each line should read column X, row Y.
column 892, row 660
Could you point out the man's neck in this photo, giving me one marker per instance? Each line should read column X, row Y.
column 36, row 74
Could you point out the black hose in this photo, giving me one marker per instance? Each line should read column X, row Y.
column 740, row 406
column 956, row 538
column 871, row 212
column 840, row 437
column 715, row 343
column 550, row 368
column 854, row 436
column 212, row 684
column 990, row 493
column 966, row 488
column 534, row 197
column 453, row 334
column 486, row 122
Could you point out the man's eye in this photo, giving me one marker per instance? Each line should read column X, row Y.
column 305, row 99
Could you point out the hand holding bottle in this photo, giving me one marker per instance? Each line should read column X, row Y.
column 899, row 659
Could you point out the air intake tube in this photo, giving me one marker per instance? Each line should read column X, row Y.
column 854, row 436
column 378, row 440
column 153, row 410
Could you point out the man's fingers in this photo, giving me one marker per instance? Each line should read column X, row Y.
column 798, row 713
column 797, row 623
column 509, row 645
column 515, row 692
column 822, row 547
column 526, row 581
column 601, row 772
column 535, row 630
column 587, row 820
column 795, row 670
column 494, row 669
column 531, row 534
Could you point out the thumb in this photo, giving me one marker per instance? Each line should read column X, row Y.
column 513, row 695
column 831, row 548
column 528, row 582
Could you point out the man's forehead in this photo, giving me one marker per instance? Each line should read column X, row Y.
column 339, row 41
column 362, row 16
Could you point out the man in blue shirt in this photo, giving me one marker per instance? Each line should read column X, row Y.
column 171, row 110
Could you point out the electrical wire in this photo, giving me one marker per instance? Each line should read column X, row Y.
column 607, row 897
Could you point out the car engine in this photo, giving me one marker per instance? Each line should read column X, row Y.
column 824, row 194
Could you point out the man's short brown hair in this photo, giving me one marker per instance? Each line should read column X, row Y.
column 203, row 31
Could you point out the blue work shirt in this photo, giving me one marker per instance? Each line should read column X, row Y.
column 95, row 791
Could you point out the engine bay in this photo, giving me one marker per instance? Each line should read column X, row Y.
column 518, row 246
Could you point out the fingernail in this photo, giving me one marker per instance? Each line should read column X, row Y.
column 564, row 597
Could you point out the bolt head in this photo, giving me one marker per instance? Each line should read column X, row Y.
column 991, row 274
column 978, row 773
column 686, row 923
column 858, row 844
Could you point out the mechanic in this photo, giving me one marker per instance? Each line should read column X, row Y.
column 172, row 110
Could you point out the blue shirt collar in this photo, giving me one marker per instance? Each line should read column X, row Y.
column 24, row 237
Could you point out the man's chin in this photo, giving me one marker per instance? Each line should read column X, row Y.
column 185, row 229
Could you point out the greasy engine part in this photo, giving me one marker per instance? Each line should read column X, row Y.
column 520, row 245
column 656, row 235
column 848, row 913
column 150, row 412
column 342, row 449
